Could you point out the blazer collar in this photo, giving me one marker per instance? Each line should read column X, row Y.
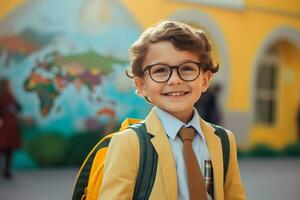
column 166, row 161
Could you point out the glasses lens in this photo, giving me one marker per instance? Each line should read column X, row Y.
column 189, row 71
column 160, row 72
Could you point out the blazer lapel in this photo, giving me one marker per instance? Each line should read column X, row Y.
column 165, row 156
column 215, row 150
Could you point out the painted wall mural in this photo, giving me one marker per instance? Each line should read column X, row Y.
column 66, row 61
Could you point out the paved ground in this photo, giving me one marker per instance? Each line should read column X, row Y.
column 275, row 179
column 271, row 179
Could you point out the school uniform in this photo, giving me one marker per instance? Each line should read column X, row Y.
column 122, row 161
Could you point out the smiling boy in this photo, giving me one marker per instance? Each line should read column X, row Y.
column 171, row 66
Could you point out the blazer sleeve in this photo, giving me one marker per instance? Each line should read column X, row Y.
column 233, row 189
column 120, row 167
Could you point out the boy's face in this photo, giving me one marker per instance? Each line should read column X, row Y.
column 175, row 96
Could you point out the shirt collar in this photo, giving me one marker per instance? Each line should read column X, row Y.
column 172, row 125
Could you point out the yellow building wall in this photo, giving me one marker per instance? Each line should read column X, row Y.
column 287, row 6
column 7, row 6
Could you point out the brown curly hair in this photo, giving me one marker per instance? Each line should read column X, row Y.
column 184, row 38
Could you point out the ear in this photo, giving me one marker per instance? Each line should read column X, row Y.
column 140, row 85
column 206, row 77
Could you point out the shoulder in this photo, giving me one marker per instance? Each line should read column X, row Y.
column 220, row 129
column 231, row 141
column 230, row 135
column 223, row 133
column 227, row 131
column 124, row 146
column 127, row 134
column 125, row 141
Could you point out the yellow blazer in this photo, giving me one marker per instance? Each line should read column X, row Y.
column 122, row 162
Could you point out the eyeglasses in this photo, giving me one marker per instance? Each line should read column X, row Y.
column 160, row 72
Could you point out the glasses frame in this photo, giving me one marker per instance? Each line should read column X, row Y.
column 148, row 68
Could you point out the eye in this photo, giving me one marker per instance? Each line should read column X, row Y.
column 188, row 67
column 160, row 69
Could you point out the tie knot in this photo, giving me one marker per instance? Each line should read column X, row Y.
column 187, row 133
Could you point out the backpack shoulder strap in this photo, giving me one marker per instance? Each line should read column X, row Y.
column 221, row 132
column 148, row 163
column 147, row 167
column 82, row 178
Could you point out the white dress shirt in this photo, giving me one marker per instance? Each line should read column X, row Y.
column 171, row 126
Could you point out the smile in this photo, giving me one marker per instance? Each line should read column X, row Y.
column 175, row 94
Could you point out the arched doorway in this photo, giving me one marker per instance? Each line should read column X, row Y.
column 276, row 89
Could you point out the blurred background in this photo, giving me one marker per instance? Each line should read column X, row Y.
column 63, row 66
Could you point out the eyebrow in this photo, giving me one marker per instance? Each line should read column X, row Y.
column 183, row 61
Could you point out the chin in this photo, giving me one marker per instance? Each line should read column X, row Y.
column 176, row 109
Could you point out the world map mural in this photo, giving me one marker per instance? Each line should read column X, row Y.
column 66, row 61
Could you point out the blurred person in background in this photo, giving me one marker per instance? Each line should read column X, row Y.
column 298, row 122
column 9, row 125
column 208, row 107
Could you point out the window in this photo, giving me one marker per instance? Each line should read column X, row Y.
column 266, row 88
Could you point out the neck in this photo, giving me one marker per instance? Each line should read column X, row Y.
column 184, row 117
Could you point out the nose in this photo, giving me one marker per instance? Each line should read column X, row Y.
column 175, row 78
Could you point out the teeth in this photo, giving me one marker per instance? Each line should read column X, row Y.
column 175, row 93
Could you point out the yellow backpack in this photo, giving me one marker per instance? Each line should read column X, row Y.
column 89, row 177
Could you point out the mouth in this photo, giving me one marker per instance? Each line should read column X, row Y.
column 175, row 94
